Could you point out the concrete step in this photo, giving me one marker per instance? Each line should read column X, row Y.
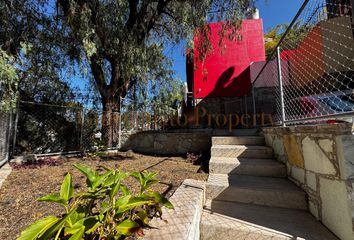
column 247, row 166
column 241, row 151
column 229, row 221
column 238, row 140
column 266, row 191
column 236, row 132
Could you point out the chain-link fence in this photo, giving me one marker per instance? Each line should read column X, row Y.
column 45, row 129
column 310, row 75
column 6, row 128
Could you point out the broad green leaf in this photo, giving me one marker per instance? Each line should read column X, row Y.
column 93, row 195
column 74, row 228
column 122, row 201
column 67, row 189
column 56, row 227
column 88, row 172
column 105, row 206
column 120, row 175
column 52, row 198
column 145, row 179
column 91, row 224
column 100, row 179
column 78, row 234
column 143, row 217
column 109, row 181
column 75, row 217
column 161, row 199
column 150, row 175
column 148, row 184
column 115, row 177
column 135, row 202
column 38, row 228
column 138, row 176
column 125, row 190
column 127, row 227
column 115, row 189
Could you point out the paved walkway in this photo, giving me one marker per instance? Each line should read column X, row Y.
column 4, row 172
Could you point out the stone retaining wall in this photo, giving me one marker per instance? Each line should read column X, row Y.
column 178, row 141
column 320, row 159
column 168, row 143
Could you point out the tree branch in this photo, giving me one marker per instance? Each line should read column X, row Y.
column 161, row 5
column 133, row 13
column 98, row 74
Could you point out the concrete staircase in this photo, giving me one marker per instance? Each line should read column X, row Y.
column 249, row 197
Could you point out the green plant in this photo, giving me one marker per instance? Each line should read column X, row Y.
column 107, row 210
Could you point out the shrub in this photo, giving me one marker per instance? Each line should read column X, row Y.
column 106, row 210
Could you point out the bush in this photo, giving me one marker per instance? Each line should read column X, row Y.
column 107, row 210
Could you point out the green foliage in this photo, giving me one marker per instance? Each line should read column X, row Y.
column 32, row 37
column 113, row 44
column 107, row 210
column 295, row 35
column 169, row 98
column 123, row 41
column 8, row 81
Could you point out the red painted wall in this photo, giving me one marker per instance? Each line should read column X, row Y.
column 307, row 60
column 227, row 74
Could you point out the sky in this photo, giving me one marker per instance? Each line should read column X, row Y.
column 273, row 12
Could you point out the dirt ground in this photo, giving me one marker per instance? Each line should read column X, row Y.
column 18, row 205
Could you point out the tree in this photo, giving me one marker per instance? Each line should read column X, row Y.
column 29, row 44
column 123, row 40
column 295, row 35
column 8, row 82
column 31, row 67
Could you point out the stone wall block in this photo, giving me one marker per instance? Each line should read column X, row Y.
column 311, row 180
column 316, row 159
column 335, row 204
column 345, row 156
column 293, row 151
column 298, row 174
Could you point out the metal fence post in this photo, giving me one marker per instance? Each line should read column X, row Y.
column 15, row 128
column 9, row 130
column 254, row 117
column 246, row 109
column 253, row 101
column 120, row 124
column 280, row 79
column 82, row 128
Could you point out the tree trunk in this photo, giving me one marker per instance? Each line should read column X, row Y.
column 110, row 122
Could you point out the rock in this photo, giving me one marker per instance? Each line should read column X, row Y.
column 129, row 153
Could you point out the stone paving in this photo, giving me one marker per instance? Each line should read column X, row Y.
column 182, row 223
column 4, row 172
column 231, row 228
